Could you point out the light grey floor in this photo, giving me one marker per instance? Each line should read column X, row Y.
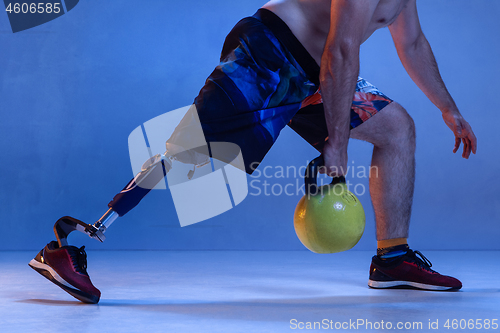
column 244, row 292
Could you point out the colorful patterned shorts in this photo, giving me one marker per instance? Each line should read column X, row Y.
column 266, row 80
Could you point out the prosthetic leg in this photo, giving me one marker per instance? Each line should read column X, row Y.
column 65, row 265
column 152, row 172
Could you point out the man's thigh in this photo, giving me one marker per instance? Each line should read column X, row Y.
column 310, row 122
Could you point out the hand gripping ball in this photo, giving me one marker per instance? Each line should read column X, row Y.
column 329, row 218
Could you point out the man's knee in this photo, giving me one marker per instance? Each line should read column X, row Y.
column 399, row 127
column 389, row 127
column 403, row 122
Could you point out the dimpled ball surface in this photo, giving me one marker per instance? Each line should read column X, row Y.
column 333, row 220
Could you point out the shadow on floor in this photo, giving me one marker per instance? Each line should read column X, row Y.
column 409, row 304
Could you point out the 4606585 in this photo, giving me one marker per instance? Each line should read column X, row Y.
column 471, row 324
column 34, row 8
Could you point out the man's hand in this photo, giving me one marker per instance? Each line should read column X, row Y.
column 335, row 160
column 463, row 132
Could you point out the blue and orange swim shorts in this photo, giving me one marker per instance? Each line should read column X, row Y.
column 266, row 80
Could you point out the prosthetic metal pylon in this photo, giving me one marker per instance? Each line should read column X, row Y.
column 152, row 172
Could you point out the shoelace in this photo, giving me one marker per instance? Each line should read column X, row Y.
column 421, row 260
column 79, row 258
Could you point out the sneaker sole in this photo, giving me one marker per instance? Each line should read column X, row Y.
column 407, row 284
column 46, row 271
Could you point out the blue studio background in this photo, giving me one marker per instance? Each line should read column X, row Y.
column 73, row 89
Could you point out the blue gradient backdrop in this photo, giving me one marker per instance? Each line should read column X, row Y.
column 73, row 89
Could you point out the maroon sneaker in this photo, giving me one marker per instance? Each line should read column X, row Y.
column 409, row 271
column 66, row 266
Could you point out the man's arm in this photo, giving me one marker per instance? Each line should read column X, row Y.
column 338, row 75
column 417, row 58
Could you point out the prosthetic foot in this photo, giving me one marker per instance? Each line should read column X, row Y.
column 66, row 267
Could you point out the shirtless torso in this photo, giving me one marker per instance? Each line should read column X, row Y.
column 309, row 20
